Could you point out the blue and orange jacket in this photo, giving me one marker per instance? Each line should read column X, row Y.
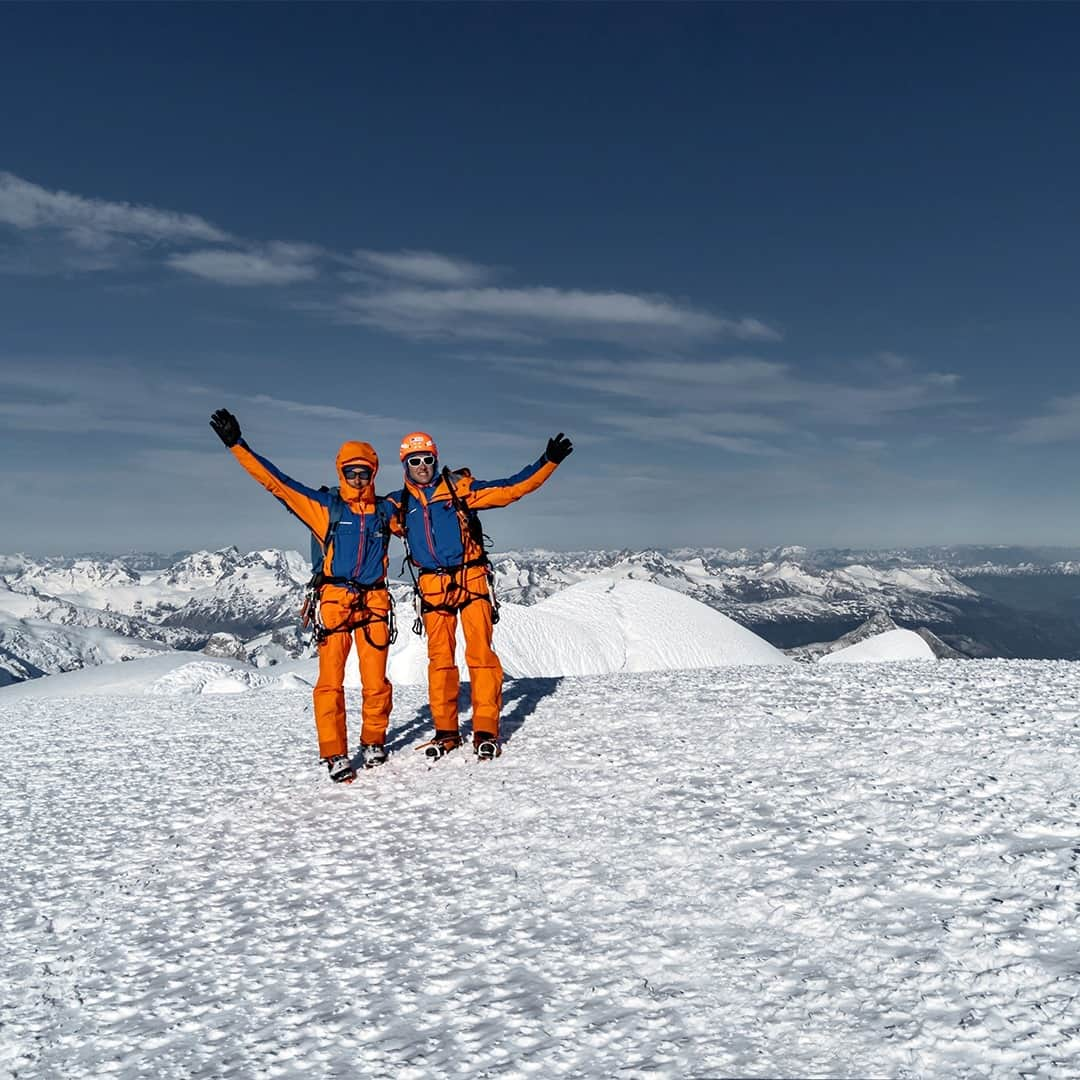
column 358, row 550
column 437, row 535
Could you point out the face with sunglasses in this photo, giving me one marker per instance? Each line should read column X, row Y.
column 421, row 467
column 357, row 474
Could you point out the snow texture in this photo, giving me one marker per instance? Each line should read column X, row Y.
column 801, row 870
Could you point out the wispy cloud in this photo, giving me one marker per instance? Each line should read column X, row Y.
column 1060, row 423
column 542, row 311
column 742, row 382
column 414, row 294
column 389, row 426
column 731, row 432
column 90, row 222
column 742, row 405
column 320, row 411
column 276, row 264
column 428, row 267
column 78, row 398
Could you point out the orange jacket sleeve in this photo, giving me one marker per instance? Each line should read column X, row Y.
column 309, row 505
column 486, row 494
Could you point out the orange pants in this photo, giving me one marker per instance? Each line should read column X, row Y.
column 485, row 671
column 337, row 613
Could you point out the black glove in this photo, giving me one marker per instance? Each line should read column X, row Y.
column 559, row 448
column 226, row 427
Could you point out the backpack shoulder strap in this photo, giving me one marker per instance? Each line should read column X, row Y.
column 384, row 511
column 403, row 508
column 468, row 518
column 450, row 480
column 336, row 508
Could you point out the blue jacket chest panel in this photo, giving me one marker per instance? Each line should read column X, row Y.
column 352, row 531
column 436, row 541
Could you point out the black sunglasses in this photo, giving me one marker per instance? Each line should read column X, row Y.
column 356, row 472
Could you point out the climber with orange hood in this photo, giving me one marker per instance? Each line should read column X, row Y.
column 435, row 514
column 352, row 601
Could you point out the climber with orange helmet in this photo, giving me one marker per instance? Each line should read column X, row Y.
column 351, row 526
column 435, row 513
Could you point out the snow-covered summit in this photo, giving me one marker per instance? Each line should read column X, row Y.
column 599, row 626
column 658, row 628
column 893, row 645
column 84, row 581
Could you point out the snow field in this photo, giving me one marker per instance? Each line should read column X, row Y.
column 752, row 871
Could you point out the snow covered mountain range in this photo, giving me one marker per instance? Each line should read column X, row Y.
column 1026, row 604
column 62, row 614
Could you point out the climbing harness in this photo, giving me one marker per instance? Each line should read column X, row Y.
column 358, row 615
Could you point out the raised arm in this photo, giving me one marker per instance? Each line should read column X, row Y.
column 309, row 505
column 486, row 494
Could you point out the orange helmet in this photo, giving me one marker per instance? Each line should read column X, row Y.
column 419, row 442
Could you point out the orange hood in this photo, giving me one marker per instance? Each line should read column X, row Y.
column 357, row 451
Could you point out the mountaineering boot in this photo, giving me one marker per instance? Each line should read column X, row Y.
column 373, row 754
column 485, row 746
column 341, row 770
column 443, row 743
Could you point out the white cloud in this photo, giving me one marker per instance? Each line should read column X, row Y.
column 376, row 426
column 428, row 267
column 322, row 412
column 411, row 293
column 723, row 431
column 864, row 446
column 742, row 382
column 485, row 312
column 70, row 397
column 89, row 221
column 278, row 264
column 742, row 405
column 1060, row 424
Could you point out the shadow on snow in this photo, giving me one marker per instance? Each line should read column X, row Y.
column 520, row 699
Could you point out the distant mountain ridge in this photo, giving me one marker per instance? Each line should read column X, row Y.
column 58, row 613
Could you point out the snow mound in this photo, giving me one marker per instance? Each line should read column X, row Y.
column 166, row 673
column 645, row 627
column 597, row 627
column 207, row 677
column 882, row 648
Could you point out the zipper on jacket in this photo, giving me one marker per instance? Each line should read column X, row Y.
column 360, row 549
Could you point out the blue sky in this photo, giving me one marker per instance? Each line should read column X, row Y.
column 785, row 273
